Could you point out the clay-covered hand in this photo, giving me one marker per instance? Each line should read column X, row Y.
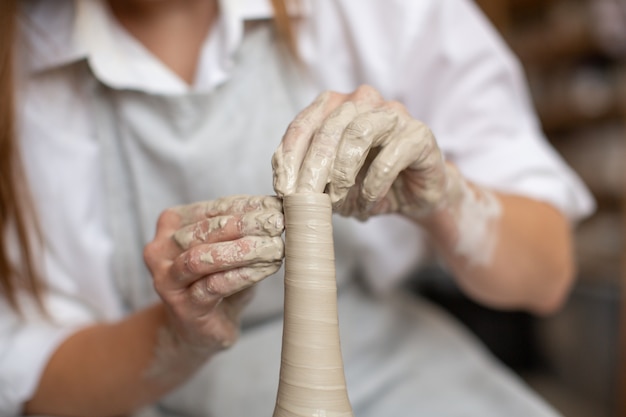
column 369, row 154
column 205, row 258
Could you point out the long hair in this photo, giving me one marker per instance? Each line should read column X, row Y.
column 283, row 24
column 16, row 209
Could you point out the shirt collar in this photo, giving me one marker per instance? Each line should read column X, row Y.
column 46, row 35
column 88, row 31
column 121, row 62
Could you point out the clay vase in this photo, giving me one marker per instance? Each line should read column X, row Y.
column 312, row 381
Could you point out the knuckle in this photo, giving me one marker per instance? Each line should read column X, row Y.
column 214, row 286
column 193, row 264
column 347, row 110
column 239, row 274
column 202, row 293
column 384, row 169
column 168, row 218
column 197, row 294
column 299, row 126
column 268, row 222
column 368, row 195
column 279, row 248
column 189, row 235
column 273, row 203
column 329, row 130
column 328, row 100
column 342, row 177
column 396, row 106
column 421, row 130
column 150, row 253
column 326, row 96
column 360, row 128
column 233, row 252
column 253, row 202
column 202, row 230
column 221, row 205
column 367, row 92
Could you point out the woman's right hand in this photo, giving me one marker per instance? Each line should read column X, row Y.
column 205, row 258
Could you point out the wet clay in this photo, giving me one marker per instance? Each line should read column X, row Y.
column 312, row 381
column 476, row 212
column 267, row 222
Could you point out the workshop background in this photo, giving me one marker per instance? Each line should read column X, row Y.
column 574, row 55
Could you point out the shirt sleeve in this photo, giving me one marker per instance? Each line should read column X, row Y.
column 445, row 62
column 27, row 341
column 461, row 79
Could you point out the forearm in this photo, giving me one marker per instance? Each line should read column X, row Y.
column 517, row 255
column 373, row 158
column 109, row 369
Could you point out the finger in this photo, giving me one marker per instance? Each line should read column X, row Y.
column 237, row 204
column 315, row 171
column 287, row 159
column 229, row 283
column 231, row 227
column 208, row 259
column 408, row 146
column 365, row 131
column 314, row 174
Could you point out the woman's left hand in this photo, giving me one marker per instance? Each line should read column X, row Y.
column 368, row 154
column 204, row 259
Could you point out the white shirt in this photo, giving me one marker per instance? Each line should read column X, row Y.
column 439, row 57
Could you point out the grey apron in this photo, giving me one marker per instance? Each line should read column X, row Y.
column 403, row 357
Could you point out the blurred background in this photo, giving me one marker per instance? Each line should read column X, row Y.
column 574, row 55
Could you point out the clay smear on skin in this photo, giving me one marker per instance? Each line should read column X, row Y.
column 304, row 159
column 349, row 137
column 237, row 204
column 257, row 223
column 254, row 249
column 476, row 213
column 263, row 252
column 291, row 151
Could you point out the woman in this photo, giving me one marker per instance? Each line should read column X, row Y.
column 131, row 111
